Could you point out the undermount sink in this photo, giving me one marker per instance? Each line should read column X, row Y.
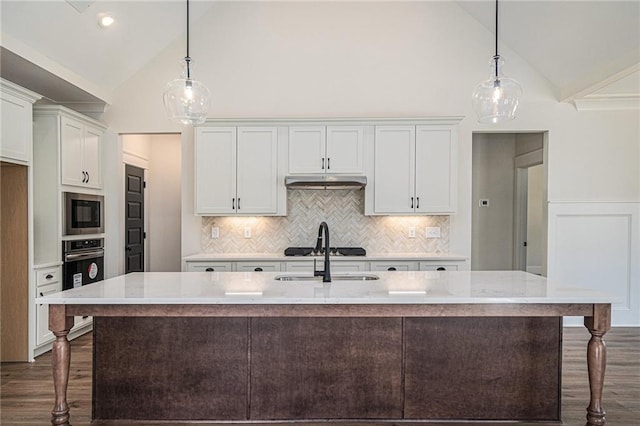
column 334, row 277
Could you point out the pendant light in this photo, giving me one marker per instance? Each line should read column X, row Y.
column 186, row 100
column 496, row 99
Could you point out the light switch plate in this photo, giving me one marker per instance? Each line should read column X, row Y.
column 215, row 232
column 247, row 232
column 412, row 232
column 433, row 232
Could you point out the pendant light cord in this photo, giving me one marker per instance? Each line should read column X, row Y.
column 496, row 58
column 187, row 58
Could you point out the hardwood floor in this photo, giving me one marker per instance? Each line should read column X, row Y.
column 27, row 388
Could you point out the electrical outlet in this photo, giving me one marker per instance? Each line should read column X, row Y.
column 433, row 232
column 215, row 232
column 247, row 232
column 483, row 203
column 412, row 232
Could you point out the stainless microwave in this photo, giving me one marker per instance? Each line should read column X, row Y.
column 83, row 214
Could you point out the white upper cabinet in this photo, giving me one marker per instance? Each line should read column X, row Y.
column 80, row 153
column 414, row 170
column 16, row 116
column 326, row 149
column 237, row 171
column 215, row 170
column 394, row 169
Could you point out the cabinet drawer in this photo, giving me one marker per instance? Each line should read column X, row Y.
column 258, row 266
column 209, row 266
column 438, row 266
column 393, row 266
column 346, row 266
column 47, row 276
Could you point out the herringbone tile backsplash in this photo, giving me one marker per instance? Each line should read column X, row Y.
column 343, row 210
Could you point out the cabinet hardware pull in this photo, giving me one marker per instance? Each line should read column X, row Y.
column 238, row 203
column 48, row 276
column 411, row 202
column 209, row 270
column 392, row 268
column 88, row 177
column 323, row 163
column 328, row 163
column 417, row 202
column 258, row 269
column 441, row 268
column 233, row 204
column 84, row 177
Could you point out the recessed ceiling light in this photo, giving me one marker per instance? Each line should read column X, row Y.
column 105, row 20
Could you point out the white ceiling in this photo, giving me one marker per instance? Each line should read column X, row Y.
column 583, row 48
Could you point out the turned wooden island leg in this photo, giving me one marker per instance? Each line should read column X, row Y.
column 598, row 325
column 60, row 324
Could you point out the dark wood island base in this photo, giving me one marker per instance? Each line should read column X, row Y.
column 372, row 363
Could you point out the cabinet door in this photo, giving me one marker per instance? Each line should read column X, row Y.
column 15, row 132
column 71, row 137
column 345, row 149
column 394, row 169
column 436, row 157
column 215, row 170
column 307, row 149
column 257, row 170
column 92, row 157
column 42, row 314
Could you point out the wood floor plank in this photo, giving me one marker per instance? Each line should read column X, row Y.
column 26, row 390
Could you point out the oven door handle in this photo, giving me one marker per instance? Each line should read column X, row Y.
column 82, row 256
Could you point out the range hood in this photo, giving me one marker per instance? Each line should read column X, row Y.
column 325, row 182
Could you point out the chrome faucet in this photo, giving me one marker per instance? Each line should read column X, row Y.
column 326, row 273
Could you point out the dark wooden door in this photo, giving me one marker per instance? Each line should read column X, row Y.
column 134, row 219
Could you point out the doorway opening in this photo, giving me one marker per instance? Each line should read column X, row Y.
column 151, row 218
column 509, row 192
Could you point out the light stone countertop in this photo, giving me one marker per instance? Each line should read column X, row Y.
column 280, row 257
column 260, row 288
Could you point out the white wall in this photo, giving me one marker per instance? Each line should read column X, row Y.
column 164, row 204
column 387, row 59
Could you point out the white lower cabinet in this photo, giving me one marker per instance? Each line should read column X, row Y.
column 209, row 266
column 257, row 266
column 438, row 266
column 42, row 314
column 304, row 266
column 347, row 266
column 393, row 266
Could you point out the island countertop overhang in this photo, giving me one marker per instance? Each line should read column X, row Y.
column 392, row 288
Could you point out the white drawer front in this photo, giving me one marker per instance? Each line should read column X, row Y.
column 258, row 266
column 47, row 276
column 393, row 266
column 209, row 266
column 42, row 315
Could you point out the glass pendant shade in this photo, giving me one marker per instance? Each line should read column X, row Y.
column 496, row 99
column 186, row 100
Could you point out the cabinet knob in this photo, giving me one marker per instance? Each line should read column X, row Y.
column 441, row 268
column 258, row 269
column 392, row 268
column 209, row 269
column 48, row 276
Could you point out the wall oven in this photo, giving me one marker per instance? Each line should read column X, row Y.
column 83, row 262
column 83, row 214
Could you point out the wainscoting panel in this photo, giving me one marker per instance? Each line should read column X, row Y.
column 596, row 245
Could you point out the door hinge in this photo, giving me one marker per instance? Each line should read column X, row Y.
column 144, row 184
column 524, row 244
column 144, row 235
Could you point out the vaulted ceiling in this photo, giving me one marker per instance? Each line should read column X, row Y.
column 586, row 49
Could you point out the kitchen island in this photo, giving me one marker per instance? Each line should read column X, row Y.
column 410, row 346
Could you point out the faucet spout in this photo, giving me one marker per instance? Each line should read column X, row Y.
column 326, row 273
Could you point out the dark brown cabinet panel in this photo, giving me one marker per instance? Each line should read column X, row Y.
column 170, row 368
column 483, row 368
column 326, row 368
